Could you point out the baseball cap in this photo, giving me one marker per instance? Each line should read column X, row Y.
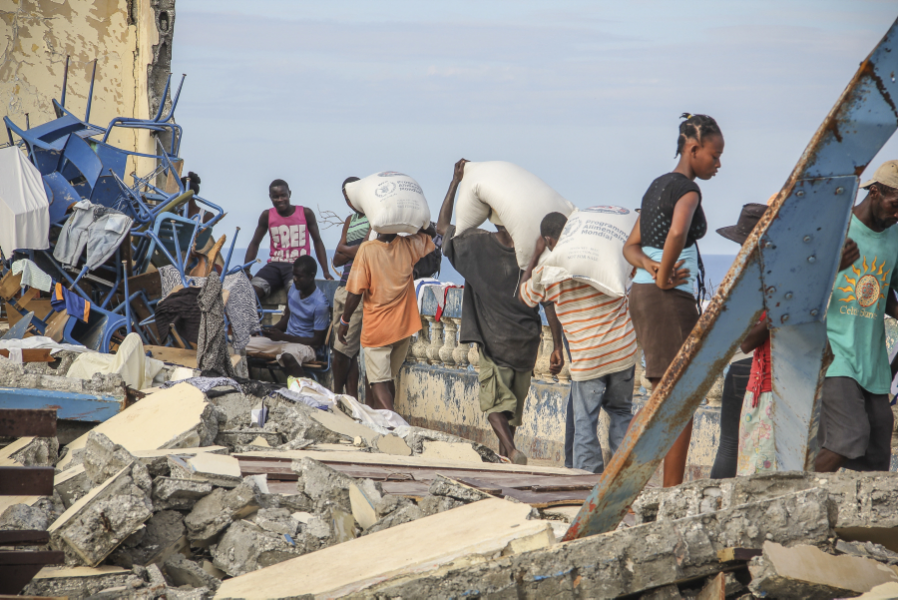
column 886, row 174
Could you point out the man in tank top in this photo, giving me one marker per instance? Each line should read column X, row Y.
column 292, row 231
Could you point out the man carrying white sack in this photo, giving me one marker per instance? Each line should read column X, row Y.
column 507, row 332
column 603, row 350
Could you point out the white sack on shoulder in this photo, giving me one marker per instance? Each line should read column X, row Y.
column 591, row 249
column 520, row 198
column 393, row 202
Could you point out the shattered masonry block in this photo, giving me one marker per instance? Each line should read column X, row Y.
column 95, row 525
column 867, row 550
column 221, row 470
column 808, row 573
column 31, row 452
column 180, row 571
column 244, row 437
column 72, row 484
column 22, row 517
column 246, row 547
column 103, row 458
column 298, row 423
column 77, row 583
column 323, row 484
column 635, row 559
column 443, row 486
column 432, row 505
column 163, row 536
column 405, row 514
column 181, row 494
column 417, row 436
column 212, row 514
column 276, row 520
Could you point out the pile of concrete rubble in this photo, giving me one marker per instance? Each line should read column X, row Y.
column 152, row 503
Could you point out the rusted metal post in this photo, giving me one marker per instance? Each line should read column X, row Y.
column 786, row 267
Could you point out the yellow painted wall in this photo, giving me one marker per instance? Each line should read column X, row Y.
column 36, row 36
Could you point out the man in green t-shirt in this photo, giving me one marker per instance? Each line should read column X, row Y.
column 856, row 419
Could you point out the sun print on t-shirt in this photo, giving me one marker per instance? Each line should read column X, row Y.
column 866, row 285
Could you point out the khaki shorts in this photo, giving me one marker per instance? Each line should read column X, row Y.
column 502, row 389
column 259, row 344
column 351, row 348
column 383, row 364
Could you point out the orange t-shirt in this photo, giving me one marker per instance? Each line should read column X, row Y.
column 382, row 275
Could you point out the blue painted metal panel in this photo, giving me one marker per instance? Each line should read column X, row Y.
column 68, row 405
column 856, row 128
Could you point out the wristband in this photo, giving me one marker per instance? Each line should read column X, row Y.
column 343, row 321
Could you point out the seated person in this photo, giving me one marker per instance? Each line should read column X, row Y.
column 300, row 334
column 293, row 232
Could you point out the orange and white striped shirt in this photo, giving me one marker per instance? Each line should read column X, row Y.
column 598, row 327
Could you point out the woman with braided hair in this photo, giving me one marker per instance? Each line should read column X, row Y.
column 663, row 249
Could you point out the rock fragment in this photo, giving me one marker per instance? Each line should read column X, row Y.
column 181, row 494
column 247, row 547
column 212, row 514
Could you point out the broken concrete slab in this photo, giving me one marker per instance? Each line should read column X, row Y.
column 631, row 560
column 77, row 582
column 322, row 484
column 461, row 451
column 102, row 458
column 179, row 416
column 30, row 452
column 179, row 571
column 72, row 484
column 867, row 550
column 220, row 470
column 341, row 423
column 484, row 528
column 886, row 591
column 431, row 505
column 240, row 438
column 212, row 514
column 665, row 592
column 246, row 547
column 808, row 573
column 406, row 514
column 443, row 486
column 90, row 529
column 417, row 437
column 275, row 520
column 392, row 444
column 180, row 494
column 23, row 517
column 164, row 534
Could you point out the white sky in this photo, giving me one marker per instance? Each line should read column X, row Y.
column 585, row 94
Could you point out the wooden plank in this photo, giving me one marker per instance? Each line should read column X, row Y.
column 40, row 422
column 10, row 285
column 56, row 325
column 392, row 460
column 482, row 528
column 179, row 356
column 30, row 355
column 715, row 589
column 18, row 537
column 26, row 481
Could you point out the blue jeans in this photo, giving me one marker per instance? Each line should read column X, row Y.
column 614, row 392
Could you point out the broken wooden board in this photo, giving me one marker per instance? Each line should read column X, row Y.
column 180, row 356
column 30, row 355
column 460, row 451
column 166, row 419
column 486, row 527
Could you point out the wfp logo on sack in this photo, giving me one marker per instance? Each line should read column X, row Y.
column 392, row 174
column 572, row 227
column 608, row 210
column 385, row 189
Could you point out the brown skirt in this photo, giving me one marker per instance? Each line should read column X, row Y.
column 662, row 320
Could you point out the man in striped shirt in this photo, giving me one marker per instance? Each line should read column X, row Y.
column 603, row 350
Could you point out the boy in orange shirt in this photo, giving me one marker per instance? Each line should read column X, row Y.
column 382, row 275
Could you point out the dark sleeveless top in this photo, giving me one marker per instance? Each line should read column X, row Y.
column 658, row 207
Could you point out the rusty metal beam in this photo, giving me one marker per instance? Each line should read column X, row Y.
column 20, row 422
column 786, row 267
column 20, row 537
column 26, row 481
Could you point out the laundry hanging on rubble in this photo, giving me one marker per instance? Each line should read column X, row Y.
column 99, row 228
column 212, row 354
column 181, row 310
column 71, row 302
column 242, row 312
column 32, row 275
column 24, row 208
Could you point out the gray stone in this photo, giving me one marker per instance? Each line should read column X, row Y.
column 212, row 514
column 104, row 519
column 276, row 520
column 416, row 437
column 239, row 438
column 665, row 592
column 247, row 547
column 162, row 536
column 236, row 408
column 863, row 550
column 405, row 514
column 323, row 485
column 631, row 560
column 74, row 486
column 443, row 486
column 39, row 452
column 181, row 494
column 102, row 458
column 23, row 516
column 180, row 571
column 390, row 503
column 188, row 593
column 298, row 423
column 431, row 505
column 78, row 588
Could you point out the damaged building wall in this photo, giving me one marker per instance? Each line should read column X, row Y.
column 130, row 39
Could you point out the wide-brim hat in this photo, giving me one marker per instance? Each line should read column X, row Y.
column 748, row 218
